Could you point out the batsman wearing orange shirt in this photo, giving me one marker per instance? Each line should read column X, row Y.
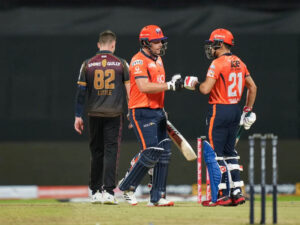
column 225, row 81
column 148, row 118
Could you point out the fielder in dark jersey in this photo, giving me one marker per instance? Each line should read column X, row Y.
column 102, row 78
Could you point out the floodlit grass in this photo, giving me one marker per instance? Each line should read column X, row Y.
column 50, row 212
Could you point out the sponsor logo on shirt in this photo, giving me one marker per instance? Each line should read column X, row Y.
column 233, row 100
column 113, row 63
column 137, row 70
column 212, row 66
column 94, row 64
column 150, row 65
column 137, row 62
column 160, row 78
column 104, row 62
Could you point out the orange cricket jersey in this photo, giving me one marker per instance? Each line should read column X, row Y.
column 230, row 73
column 142, row 66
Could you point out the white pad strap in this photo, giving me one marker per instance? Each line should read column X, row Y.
column 219, row 158
column 234, row 167
column 238, row 184
column 156, row 148
column 222, row 186
column 232, row 157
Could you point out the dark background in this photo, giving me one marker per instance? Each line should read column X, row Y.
column 42, row 46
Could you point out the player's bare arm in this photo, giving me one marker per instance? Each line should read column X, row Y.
column 145, row 86
column 251, row 93
column 207, row 85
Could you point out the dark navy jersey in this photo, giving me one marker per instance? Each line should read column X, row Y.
column 104, row 76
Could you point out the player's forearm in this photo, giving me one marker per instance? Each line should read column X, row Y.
column 206, row 86
column 79, row 101
column 251, row 96
column 152, row 88
column 127, row 87
column 204, row 89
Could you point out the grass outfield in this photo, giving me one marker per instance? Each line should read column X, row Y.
column 49, row 212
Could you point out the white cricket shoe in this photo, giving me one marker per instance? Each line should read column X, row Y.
column 97, row 198
column 109, row 199
column 130, row 197
column 161, row 202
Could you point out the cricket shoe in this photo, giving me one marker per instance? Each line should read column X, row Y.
column 97, row 198
column 209, row 203
column 109, row 199
column 130, row 197
column 161, row 202
column 238, row 199
column 224, row 201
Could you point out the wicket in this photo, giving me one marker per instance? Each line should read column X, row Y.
column 263, row 143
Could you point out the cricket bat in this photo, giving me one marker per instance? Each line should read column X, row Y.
column 181, row 143
column 240, row 131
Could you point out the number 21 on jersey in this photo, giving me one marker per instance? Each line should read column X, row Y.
column 236, row 80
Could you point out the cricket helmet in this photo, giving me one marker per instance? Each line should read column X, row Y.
column 151, row 33
column 222, row 35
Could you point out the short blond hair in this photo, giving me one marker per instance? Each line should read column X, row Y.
column 107, row 37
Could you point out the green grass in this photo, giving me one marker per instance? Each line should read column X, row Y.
column 50, row 212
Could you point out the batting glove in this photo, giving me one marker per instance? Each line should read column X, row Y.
column 247, row 118
column 176, row 83
column 190, row 82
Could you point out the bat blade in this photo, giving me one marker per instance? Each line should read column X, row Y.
column 184, row 147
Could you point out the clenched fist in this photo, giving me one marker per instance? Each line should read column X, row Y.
column 190, row 82
column 176, row 83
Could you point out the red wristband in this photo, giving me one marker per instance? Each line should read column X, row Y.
column 247, row 109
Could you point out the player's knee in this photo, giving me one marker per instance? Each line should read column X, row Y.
column 149, row 157
column 166, row 153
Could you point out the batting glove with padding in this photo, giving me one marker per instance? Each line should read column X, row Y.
column 247, row 118
column 176, row 83
column 190, row 82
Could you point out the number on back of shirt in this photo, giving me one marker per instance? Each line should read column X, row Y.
column 236, row 82
column 104, row 79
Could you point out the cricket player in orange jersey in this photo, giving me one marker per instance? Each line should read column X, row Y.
column 148, row 118
column 225, row 81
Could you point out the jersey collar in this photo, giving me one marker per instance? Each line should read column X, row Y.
column 154, row 58
column 104, row 51
column 228, row 53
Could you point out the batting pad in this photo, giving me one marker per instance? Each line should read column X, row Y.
column 147, row 160
column 213, row 170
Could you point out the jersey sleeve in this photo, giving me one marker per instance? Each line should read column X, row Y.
column 82, row 81
column 126, row 71
column 81, row 91
column 213, row 70
column 139, row 69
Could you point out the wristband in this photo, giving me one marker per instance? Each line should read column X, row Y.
column 247, row 109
